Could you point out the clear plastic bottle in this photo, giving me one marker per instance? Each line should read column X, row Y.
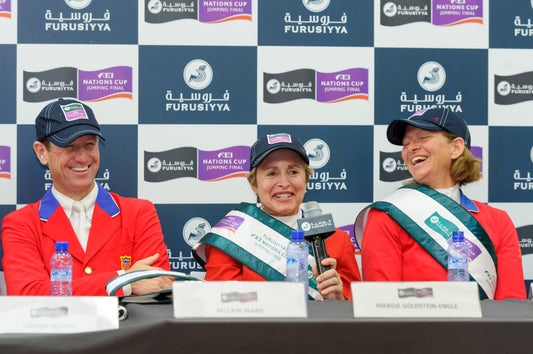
column 458, row 254
column 61, row 271
column 297, row 264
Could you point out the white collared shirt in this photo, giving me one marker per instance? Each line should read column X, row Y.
column 89, row 201
column 452, row 192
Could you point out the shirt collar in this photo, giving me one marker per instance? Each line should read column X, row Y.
column 67, row 202
column 458, row 196
column 105, row 201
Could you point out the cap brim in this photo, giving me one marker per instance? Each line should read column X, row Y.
column 396, row 129
column 68, row 135
column 259, row 159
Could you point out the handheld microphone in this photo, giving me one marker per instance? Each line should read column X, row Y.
column 317, row 228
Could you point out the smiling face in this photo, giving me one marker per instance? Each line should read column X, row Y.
column 280, row 183
column 73, row 167
column 429, row 154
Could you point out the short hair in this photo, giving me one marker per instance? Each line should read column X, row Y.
column 46, row 142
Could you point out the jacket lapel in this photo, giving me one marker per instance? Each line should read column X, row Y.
column 58, row 228
column 103, row 226
column 104, row 222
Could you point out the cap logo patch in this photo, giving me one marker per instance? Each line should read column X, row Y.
column 279, row 138
column 74, row 111
column 436, row 119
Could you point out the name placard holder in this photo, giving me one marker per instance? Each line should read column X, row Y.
column 237, row 299
column 58, row 314
column 416, row 299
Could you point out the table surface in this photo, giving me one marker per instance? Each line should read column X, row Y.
column 506, row 327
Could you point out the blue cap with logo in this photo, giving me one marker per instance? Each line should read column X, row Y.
column 271, row 142
column 65, row 120
column 430, row 119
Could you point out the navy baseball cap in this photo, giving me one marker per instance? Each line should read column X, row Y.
column 65, row 120
column 430, row 119
column 267, row 144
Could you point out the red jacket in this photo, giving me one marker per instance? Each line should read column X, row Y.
column 389, row 253
column 220, row 266
column 121, row 227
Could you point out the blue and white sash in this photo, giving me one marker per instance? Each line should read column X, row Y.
column 255, row 239
column 430, row 218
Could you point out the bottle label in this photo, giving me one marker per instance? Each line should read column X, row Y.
column 61, row 275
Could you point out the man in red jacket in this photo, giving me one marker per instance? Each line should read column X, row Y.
column 107, row 234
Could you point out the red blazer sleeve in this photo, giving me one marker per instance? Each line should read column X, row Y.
column 341, row 248
column 381, row 249
column 510, row 272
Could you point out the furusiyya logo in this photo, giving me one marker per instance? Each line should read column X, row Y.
column 155, row 6
column 389, row 165
column 390, row 9
column 33, row 85
column 318, row 152
column 504, row 87
column 198, row 74
column 194, row 229
column 316, row 5
column 273, row 86
column 154, row 165
column 431, row 76
column 78, row 4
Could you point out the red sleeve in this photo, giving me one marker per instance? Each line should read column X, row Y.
column 220, row 266
column 341, row 248
column 23, row 264
column 148, row 236
column 510, row 272
column 381, row 250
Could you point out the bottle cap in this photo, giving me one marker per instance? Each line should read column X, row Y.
column 297, row 235
column 458, row 236
column 61, row 246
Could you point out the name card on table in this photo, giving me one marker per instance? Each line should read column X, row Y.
column 416, row 299
column 58, row 314
column 194, row 299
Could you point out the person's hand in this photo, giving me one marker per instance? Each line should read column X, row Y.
column 150, row 285
column 329, row 283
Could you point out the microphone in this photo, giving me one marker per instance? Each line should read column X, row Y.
column 317, row 228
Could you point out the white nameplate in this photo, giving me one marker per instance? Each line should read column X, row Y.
column 416, row 299
column 261, row 299
column 58, row 314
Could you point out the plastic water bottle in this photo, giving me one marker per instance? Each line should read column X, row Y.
column 61, row 271
column 297, row 252
column 458, row 254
